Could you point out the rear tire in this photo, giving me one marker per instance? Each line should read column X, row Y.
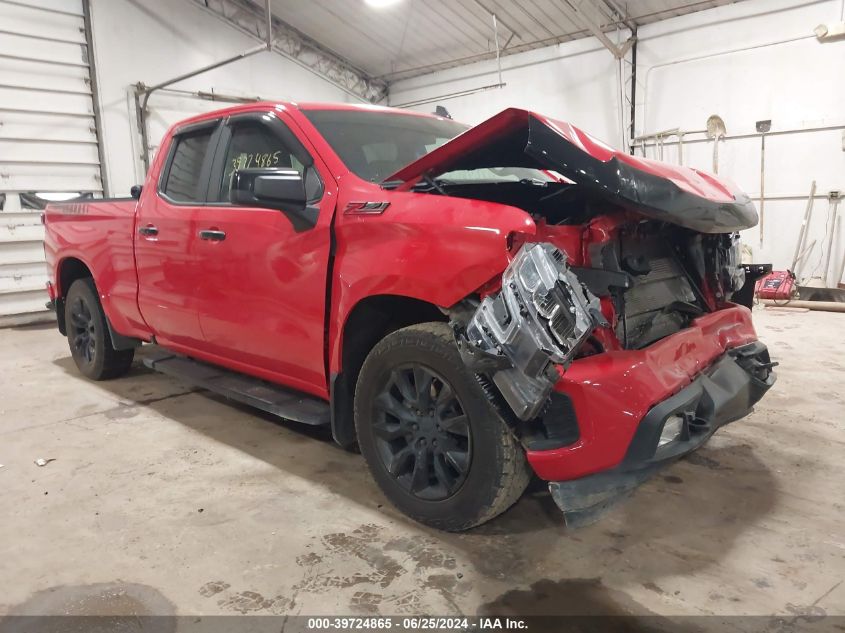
column 435, row 446
column 88, row 335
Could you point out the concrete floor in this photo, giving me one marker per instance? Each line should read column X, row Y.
column 165, row 500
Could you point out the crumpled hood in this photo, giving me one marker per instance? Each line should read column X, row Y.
column 519, row 138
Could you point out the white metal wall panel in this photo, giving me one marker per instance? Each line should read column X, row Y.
column 48, row 137
column 53, row 128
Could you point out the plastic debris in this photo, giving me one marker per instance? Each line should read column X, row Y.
column 43, row 462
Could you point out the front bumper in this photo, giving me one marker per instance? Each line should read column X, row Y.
column 609, row 394
column 599, row 433
column 725, row 392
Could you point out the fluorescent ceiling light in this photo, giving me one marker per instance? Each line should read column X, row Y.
column 381, row 4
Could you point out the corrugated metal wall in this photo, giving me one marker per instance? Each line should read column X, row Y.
column 48, row 138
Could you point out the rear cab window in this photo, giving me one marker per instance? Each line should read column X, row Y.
column 184, row 179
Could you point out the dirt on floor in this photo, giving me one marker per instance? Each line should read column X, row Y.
column 162, row 499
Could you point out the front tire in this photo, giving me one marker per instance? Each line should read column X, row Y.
column 88, row 336
column 435, row 446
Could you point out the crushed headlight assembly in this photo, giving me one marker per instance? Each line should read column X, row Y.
column 536, row 323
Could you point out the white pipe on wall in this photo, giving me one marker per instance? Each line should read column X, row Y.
column 708, row 56
column 620, row 75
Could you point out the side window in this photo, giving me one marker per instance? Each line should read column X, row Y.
column 254, row 146
column 183, row 176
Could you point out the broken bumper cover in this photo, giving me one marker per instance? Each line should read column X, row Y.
column 725, row 392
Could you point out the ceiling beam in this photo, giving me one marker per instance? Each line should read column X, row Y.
column 251, row 19
column 581, row 16
column 416, row 71
column 500, row 20
column 620, row 14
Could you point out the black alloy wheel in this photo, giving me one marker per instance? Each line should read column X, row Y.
column 82, row 330
column 434, row 444
column 422, row 433
column 88, row 334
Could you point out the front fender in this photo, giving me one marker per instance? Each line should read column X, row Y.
column 432, row 248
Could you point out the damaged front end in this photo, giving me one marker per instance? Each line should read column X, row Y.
column 521, row 336
column 620, row 337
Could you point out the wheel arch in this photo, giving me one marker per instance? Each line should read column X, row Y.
column 69, row 270
column 369, row 321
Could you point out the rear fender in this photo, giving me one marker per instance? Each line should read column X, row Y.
column 100, row 235
column 81, row 270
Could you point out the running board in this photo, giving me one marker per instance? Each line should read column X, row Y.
column 282, row 402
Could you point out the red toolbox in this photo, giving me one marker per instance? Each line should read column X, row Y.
column 778, row 285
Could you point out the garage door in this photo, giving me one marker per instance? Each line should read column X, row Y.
column 48, row 139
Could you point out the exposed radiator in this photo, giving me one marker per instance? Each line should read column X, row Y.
column 648, row 316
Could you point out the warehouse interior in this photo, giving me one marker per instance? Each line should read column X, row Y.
column 149, row 496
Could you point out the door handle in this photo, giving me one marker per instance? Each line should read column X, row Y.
column 212, row 235
column 148, row 231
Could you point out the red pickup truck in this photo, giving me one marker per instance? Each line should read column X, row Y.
column 465, row 305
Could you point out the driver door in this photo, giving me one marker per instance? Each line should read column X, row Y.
column 261, row 296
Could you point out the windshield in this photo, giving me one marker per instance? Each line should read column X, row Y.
column 499, row 174
column 375, row 144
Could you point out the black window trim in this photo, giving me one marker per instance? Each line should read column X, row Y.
column 205, row 169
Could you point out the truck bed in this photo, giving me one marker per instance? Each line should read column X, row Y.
column 101, row 234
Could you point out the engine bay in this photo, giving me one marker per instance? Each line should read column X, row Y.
column 655, row 276
column 594, row 278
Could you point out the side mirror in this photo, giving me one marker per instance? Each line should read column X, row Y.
column 282, row 189
column 135, row 191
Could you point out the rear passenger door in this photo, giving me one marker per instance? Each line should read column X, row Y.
column 165, row 237
column 261, row 287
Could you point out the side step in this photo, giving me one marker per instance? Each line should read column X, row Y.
column 285, row 403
